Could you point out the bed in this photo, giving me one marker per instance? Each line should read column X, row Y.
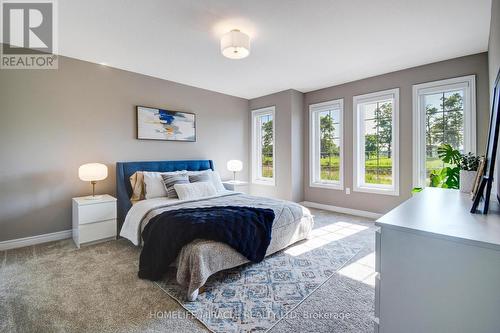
column 198, row 260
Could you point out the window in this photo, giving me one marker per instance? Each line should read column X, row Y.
column 376, row 139
column 325, row 144
column 263, row 161
column 443, row 112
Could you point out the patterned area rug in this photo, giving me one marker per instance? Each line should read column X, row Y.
column 254, row 297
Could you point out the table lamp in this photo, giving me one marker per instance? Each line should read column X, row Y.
column 93, row 172
column 234, row 166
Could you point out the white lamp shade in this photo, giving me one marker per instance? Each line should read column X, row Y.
column 235, row 45
column 235, row 165
column 93, row 172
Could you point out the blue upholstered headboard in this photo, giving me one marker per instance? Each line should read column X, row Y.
column 126, row 169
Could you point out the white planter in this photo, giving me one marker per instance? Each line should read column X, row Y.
column 467, row 180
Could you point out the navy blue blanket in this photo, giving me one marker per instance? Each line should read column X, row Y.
column 246, row 229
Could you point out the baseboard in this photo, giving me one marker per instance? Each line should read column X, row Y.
column 350, row 211
column 33, row 240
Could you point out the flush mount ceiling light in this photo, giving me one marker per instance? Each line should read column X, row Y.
column 235, row 44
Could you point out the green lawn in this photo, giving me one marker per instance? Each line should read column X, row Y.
column 378, row 171
column 267, row 167
column 330, row 169
column 267, row 171
column 330, row 174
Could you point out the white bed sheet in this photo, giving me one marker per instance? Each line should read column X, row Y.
column 131, row 228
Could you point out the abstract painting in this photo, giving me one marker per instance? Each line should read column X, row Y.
column 159, row 124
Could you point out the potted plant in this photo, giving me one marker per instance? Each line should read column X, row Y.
column 468, row 170
column 461, row 172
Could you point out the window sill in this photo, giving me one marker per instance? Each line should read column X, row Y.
column 264, row 182
column 328, row 186
column 376, row 190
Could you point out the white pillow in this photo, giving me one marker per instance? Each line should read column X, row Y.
column 217, row 182
column 194, row 190
column 154, row 185
column 214, row 179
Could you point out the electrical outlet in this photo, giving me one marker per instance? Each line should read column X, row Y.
column 347, row 190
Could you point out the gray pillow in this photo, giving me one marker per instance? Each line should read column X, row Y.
column 171, row 180
column 201, row 177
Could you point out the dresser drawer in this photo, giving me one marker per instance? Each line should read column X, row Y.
column 98, row 212
column 95, row 231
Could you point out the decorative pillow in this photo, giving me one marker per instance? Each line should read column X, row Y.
column 153, row 183
column 217, row 182
column 200, row 177
column 171, row 180
column 214, row 178
column 137, row 184
column 195, row 190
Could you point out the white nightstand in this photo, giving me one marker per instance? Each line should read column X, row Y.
column 94, row 219
column 236, row 185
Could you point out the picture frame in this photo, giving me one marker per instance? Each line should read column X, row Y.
column 486, row 182
column 479, row 175
column 165, row 125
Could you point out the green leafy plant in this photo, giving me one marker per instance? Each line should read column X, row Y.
column 449, row 155
column 449, row 176
column 416, row 190
column 469, row 162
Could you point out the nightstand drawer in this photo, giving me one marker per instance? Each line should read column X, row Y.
column 98, row 212
column 95, row 231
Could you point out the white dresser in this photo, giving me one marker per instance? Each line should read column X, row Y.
column 94, row 219
column 438, row 266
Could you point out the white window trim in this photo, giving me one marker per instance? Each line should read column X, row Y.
column 468, row 83
column 313, row 136
column 359, row 142
column 255, row 155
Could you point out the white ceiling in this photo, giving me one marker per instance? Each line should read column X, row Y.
column 303, row 45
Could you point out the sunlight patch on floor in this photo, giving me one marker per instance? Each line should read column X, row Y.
column 325, row 235
column 362, row 270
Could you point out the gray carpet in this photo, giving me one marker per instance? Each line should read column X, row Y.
column 58, row 288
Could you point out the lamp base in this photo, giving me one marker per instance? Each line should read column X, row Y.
column 93, row 197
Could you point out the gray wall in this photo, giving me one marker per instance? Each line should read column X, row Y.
column 289, row 144
column 475, row 64
column 297, row 149
column 52, row 121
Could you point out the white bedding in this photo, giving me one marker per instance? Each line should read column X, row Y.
column 131, row 228
column 201, row 258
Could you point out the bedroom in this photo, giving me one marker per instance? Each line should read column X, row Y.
column 154, row 86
